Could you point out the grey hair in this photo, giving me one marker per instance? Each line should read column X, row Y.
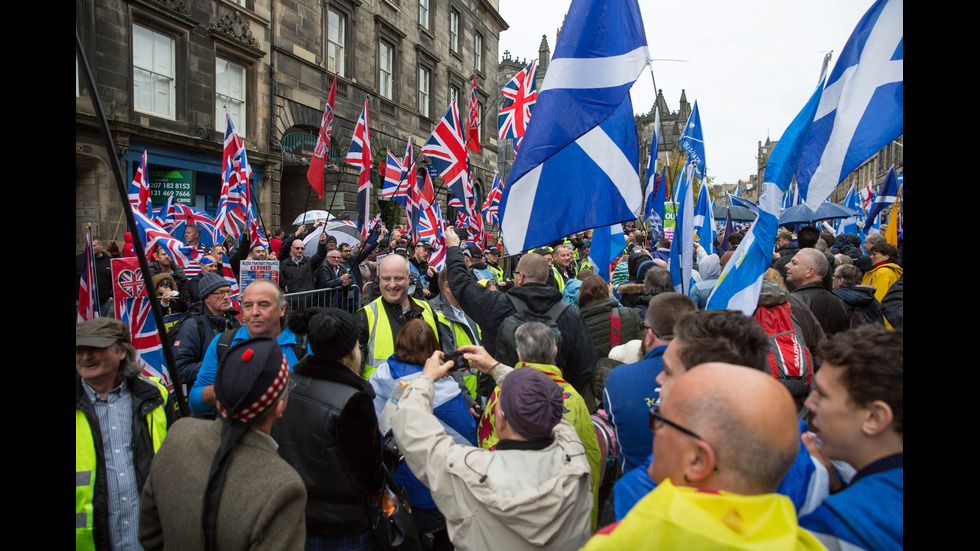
column 816, row 259
column 535, row 343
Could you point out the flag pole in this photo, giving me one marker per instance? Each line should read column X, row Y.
column 131, row 220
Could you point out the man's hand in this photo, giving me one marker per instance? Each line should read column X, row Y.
column 345, row 279
column 815, row 450
column 207, row 395
column 435, row 368
column 452, row 240
column 478, row 357
column 300, row 230
column 323, row 237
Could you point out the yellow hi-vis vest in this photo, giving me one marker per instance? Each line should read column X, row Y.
column 381, row 343
column 86, row 463
column 462, row 338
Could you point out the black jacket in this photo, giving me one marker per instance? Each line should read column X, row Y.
column 576, row 354
column 329, row 434
column 296, row 278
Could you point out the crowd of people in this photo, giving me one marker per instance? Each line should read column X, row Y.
column 518, row 402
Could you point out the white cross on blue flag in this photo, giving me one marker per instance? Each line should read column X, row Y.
column 577, row 167
column 861, row 108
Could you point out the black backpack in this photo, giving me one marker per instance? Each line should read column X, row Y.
column 506, row 350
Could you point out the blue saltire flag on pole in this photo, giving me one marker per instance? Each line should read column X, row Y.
column 887, row 195
column 739, row 201
column 861, row 108
column 578, row 165
column 652, row 164
column 849, row 225
column 692, row 141
column 682, row 246
column 704, row 221
column 607, row 243
column 740, row 282
column 656, row 207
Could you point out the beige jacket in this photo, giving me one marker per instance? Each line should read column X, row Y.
column 504, row 499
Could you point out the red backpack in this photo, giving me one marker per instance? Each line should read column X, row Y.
column 789, row 358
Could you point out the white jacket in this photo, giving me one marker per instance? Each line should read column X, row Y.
column 504, row 500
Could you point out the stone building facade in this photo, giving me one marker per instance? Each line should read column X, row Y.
column 166, row 69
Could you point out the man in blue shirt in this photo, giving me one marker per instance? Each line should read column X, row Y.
column 857, row 409
column 264, row 312
column 631, row 389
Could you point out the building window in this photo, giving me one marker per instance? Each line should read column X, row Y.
column 386, row 53
column 336, row 40
column 454, row 30
column 454, row 94
column 229, row 91
column 424, row 14
column 425, row 77
column 478, row 51
column 154, row 70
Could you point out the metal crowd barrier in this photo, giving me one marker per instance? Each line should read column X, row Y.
column 332, row 297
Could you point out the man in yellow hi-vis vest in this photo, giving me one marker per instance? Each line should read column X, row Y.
column 380, row 321
column 121, row 419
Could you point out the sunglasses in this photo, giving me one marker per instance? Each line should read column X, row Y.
column 657, row 420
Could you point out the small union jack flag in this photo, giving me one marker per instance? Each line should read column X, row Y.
column 432, row 228
column 139, row 190
column 145, row 338
column 233, row 203
column 447, row 153
column 359, row 155
column 491, row 205
column 392, row 172
column 88, row 292
column 521, row 94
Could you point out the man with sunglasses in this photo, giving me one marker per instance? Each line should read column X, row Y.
column 212, row 316
column 719, row 459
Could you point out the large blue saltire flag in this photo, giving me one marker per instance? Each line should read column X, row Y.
column 519, row 93
column 359, row 155
column 139, row 189
column 607, row 243
column 692, row 141
column 861, row 108
column 704, row 220
column 656, row 207
column 652, row 164
column 887, row 195
column 742, row 202
column 578, row 166
column 682, row 246
column 740, row 282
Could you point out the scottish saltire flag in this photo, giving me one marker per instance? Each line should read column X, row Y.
column 491, row 205
column 704, row 221
column 473, row 121
column 314, row 175
column 849, row 225
column 578, row 166
column 519, row 93
column 139, row 190
column 432, row 230
column 745, row 203
column 137, row 313
column 692, row 141
column 652, row 162
column 88, row 290
column 682, row 246
column 887, row 195
column 447, row 154
column 656, row 207
column 607, row 243
column 740, row 282
column 359, row 155
column 392, row 175
column 861, row 110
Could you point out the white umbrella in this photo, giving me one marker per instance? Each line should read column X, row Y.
column 311, row 216
column 343, row 232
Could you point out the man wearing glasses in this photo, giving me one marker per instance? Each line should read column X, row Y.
column 214, row 315
column 297, row 272
column 719, row 459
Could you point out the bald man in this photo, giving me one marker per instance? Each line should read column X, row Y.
column 719, row 460
column 807, row 270
column 576, row 354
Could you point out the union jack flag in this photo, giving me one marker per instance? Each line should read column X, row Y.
column 153, row 236
column 257, row 235
column 521, row 94
column 88, row 292
column 136, row 312
column 233, row 202
column 359, row 155
column 139, row 190
column 490, row 206
column 422, row 197
column 409, row 178
column 392, row 172
column 165, row 216
column 473, row 124
column 432, row 228
column 447, row 153
column 315, row 173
